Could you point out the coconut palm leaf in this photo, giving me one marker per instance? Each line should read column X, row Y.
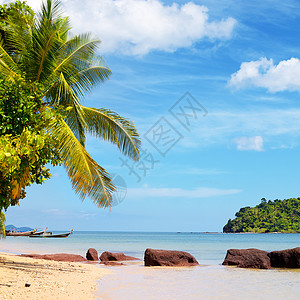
column 80, row 67
column 76, row 122
column 87, row 177
column 109, row 126
column 68, row 68
column 8, row 67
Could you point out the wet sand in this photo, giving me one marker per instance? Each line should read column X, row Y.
column 28, row 278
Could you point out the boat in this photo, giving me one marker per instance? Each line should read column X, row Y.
column 50, row 235
column 24, row 233
column 39, row 232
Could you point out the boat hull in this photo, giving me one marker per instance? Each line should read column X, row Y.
column 45, row 235
column 28, row 233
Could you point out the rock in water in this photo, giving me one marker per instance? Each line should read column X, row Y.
column 108, row 256
column 92, row 254
column 247, row 258
column 154, row 257
column 289, row 258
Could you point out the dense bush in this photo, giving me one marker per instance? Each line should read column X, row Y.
column 268, row 216
column 25, row 146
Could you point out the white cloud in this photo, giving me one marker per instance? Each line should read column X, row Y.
column 263, row 73
column 255, row 143
column 277, row 127
column 136, row 27
column 201, row 192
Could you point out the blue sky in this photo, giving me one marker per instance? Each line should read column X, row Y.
column 240, row 63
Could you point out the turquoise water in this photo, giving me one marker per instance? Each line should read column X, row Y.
column 208, row 248
column 211, row 281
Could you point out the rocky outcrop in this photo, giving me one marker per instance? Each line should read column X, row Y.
column 57, row 257
column 108, row 256
column 247, row 258
column 154, row 257
column 92, row 254
column 289, row 258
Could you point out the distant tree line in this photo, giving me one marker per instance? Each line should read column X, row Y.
column 268, row 216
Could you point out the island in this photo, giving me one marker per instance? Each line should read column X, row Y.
column 268, row 216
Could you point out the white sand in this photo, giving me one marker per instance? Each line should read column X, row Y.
column 47, row 279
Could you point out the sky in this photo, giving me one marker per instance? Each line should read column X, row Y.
column 213, row 89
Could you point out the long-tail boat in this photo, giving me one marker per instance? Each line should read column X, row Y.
column 39, row 232
column 24, row 233
column 50, row 235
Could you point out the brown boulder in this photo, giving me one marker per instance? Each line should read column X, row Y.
column 289, row 258
column 154, row 257
column 92, row 254
column 247, row 258
column 57, row 257
column 108, row 256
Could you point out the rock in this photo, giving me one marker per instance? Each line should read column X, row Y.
column 154, row 257
column 108, row 256
column 289, row 258
column 247, row 258
column 57, row 257
column 27, row 284
column 92, row 254
column 111, row 263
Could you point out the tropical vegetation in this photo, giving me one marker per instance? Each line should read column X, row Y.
column 268, row 216
column 44, row 74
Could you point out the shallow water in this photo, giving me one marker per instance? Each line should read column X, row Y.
column 212, row 281
column 202, row 282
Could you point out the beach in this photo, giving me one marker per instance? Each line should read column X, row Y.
column 47, row 279
column 134, row 281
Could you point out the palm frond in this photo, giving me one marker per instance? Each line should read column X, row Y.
column 76, row 51
column 80, row 67
column 8, row 68
column 89, row 77
column 76, row 122
column 87, row 177
column 41, row 56
column 63, row 28
column 110, row 126
column 51, row 10
column 64, row 94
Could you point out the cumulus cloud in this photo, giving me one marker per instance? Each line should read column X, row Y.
column 263, row 73
column 255, row 143
column 136, row 27
column 201, row 192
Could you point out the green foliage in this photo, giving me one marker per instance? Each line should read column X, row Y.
column 14, row 17
column 45, row 71
column 268, row 216
column 18, row 12
column 25, row 145
column 20, row 105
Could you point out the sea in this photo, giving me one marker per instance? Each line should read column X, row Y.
column 209, row 280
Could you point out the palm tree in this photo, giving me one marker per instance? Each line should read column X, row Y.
column 43, row 51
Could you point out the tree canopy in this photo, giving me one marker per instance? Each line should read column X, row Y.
column 268, row 216
column 44, row 73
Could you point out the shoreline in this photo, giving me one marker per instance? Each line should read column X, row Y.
column 29, row 278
